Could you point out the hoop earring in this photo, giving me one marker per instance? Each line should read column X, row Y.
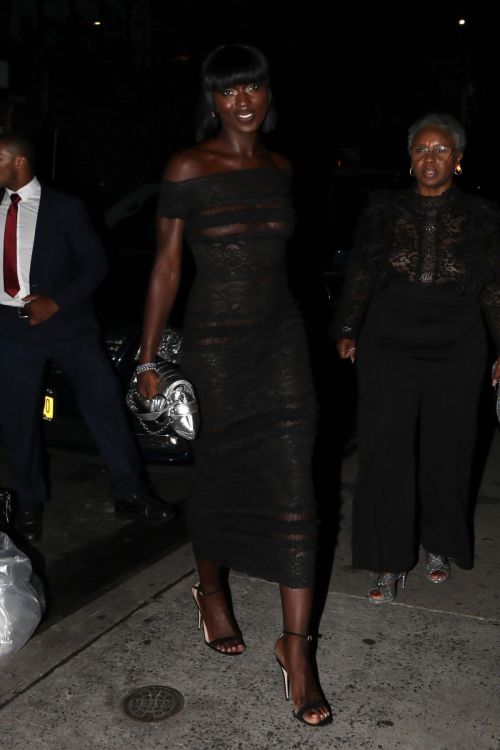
column 411, row 172
column 215, row 114
column 458, row 169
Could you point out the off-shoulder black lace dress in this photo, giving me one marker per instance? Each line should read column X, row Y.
column 245, row 350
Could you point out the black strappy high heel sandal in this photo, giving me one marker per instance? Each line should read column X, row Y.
column 229, row 640
column 313, row 705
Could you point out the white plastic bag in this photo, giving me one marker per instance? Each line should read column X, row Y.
column 21, row 606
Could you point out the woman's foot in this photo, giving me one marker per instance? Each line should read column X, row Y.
column 220, row 630
column 384, row 591
column 292, row 651
column 437, row 567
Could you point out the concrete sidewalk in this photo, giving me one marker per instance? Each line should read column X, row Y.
column 421, row 674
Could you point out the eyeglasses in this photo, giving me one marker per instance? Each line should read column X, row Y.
column 441, row 153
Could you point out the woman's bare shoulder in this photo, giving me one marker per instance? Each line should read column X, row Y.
column 280, row 161
column 185, row 165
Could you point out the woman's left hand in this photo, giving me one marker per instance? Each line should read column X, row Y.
column 496, row 373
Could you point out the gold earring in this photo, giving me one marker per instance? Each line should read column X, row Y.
column 458, row 168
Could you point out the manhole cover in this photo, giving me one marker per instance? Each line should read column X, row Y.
column 153, row 703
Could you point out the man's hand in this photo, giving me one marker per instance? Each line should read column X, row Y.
column 39, row 308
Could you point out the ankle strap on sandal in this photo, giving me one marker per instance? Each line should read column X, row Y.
column 299, row 635
column 205, row 593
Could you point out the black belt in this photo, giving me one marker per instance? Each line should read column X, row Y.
column 18, row 312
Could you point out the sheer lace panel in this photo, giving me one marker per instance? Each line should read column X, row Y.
column 426, row 247
column 242, row 228
column 241, row 218
column 209, row 205
column 292, row 523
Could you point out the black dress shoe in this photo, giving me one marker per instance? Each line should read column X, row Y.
column 29, row 523
column 144, row 506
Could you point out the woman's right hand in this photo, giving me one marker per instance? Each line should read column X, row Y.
column 147, row 383
column 346, row 349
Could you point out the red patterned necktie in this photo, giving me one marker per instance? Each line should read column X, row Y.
column 10, row 278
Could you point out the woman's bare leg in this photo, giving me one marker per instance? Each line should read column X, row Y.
column 296, row 655
column 214, row 602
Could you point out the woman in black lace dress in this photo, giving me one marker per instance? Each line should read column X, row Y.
column 425, row 273
column 245, row 350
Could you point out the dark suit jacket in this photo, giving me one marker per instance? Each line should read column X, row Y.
column 68, row 263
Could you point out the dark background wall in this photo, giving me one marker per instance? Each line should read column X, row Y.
column 110, row 102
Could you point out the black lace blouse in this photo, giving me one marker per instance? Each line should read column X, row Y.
column 450, row 240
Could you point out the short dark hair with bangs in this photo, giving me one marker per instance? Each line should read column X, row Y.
column 226, row 66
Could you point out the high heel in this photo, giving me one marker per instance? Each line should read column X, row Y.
column 313, row 705
column 437, row 567
column 385, row 587
column 229, row 640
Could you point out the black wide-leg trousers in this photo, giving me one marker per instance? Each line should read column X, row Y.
column 419, row 386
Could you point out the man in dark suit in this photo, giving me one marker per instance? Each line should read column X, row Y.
column 52, row 263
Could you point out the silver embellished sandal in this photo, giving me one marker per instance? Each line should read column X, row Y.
column 384, row 591
column 437, row 567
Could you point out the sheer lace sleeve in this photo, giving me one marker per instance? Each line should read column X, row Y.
column 372, row 236
column 174, row 199
column 490, row 294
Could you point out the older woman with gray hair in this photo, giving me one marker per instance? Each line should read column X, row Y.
column 423, row 278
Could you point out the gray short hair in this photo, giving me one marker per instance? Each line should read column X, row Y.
column 444, row 121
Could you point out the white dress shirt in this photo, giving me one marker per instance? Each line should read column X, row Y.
column 27, row 214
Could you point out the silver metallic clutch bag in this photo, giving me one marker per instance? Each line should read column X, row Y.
column 175, row 406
